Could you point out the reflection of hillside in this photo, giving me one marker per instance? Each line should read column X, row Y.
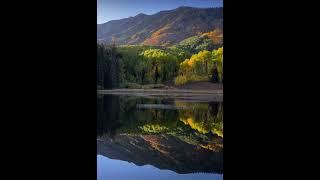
column 183, row 140
column 161, row 151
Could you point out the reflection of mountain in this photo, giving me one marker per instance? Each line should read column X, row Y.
column 161, row 151
column 185, row 141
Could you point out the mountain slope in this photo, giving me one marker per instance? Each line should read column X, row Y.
column 162, row 152
column 162, row 28
column 206, row 41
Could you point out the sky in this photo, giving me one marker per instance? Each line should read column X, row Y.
column 118, row 9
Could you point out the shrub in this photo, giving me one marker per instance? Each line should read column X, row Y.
column 152, row 86
column 180, row 80
column 138, row 86
column 132, row 85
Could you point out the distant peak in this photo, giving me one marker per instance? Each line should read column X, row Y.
column 185, row 7
column 140, row 14
column 188, row 8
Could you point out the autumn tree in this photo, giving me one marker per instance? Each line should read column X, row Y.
column 217, row 58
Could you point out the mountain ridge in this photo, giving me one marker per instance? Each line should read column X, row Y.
column 163, row 28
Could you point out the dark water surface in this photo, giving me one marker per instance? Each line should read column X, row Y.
column 142, row 138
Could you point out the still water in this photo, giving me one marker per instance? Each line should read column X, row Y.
column 159, row 138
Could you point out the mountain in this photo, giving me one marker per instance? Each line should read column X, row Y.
column 163, row 28
column 162, row 152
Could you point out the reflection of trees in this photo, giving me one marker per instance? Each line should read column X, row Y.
column 146, row 121
column 197, row 125
column 107, row 115
column 204, row 118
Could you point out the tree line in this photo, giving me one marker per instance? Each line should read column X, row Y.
column 155, row 65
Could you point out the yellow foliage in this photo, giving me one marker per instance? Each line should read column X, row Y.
column 199, row 117
column 191, row 62
column 213, row 147
column 157, row 36
column 216, row 36
column 196, row 125
column 180, row 80
column 183, row 79
column 218, row 132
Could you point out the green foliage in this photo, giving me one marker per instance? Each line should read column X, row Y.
column 133, row 66
column 154, row 128
column 161, row 65
column 195, row 44
column 108, row 66
column 179, row 53
column 149, row 64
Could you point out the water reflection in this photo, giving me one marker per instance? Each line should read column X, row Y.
column 182, row 140
column 123, row 170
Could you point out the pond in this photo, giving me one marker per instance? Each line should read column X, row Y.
column 159, row 138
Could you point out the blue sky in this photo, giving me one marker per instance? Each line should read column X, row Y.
column 118, row 9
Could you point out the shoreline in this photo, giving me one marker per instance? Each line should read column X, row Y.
column 161, row 91
column 183, row 95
